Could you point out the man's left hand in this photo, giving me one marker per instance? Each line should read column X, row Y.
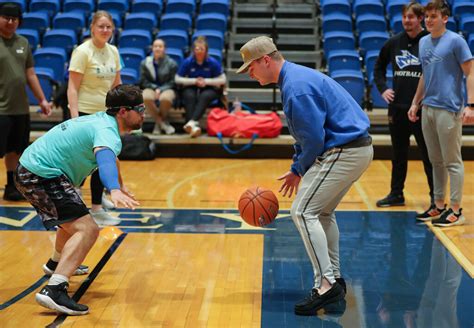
column 468, row 115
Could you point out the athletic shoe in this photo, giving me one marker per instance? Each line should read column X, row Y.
column 192, row 128
column 156, row 129
column 107, row 203
column 55, row 297
column 391, row 200
column 51, row 265
column 313, row 302
column 167, row 128
column 432, row 213
column 188, row 127
column 102, row 218
column 449, row 218
column 12, row 194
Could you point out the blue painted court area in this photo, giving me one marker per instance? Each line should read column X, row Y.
column 398, row 274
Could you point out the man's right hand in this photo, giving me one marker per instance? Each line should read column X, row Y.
column 388, row 95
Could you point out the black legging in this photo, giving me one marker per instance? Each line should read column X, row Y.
column 196, row 100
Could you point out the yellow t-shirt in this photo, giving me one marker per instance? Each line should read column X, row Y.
column 99, row 67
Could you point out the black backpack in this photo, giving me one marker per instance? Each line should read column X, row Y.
column 137, row 148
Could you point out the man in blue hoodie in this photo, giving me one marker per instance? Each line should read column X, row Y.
column 332, row 150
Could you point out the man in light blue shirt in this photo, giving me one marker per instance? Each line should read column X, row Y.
column 445, row 58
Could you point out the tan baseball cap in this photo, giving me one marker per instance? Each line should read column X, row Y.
column 255, row 49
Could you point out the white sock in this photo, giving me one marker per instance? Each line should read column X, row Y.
column 56, row 256
column 57, row 279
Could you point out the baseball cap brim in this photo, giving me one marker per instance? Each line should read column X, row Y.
column 245, row 67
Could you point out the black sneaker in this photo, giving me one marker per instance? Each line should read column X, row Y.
column 313, row 302
column 55, row 297
column 12, row 194
column 391, row 200
column 51, row 265
column 449, row 218
column 431, row 213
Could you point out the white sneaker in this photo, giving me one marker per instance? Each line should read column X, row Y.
column 188, row 127
column 107, row 203
column 102, row 218
column 196, row 131
column 192, row 128
column 167, row 128
column 156, row 129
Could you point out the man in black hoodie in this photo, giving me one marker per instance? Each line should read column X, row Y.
column 402, row 51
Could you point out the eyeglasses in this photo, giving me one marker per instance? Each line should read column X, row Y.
column 139, row 108
column 10, row 18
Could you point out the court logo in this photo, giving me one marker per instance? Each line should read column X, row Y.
column 406, row 59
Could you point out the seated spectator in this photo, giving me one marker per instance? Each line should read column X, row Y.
column 157, row 79
column 202, row 79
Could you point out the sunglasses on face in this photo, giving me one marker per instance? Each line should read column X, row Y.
column 139, row 108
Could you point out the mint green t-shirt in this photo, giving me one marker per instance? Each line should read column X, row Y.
column 68, row 148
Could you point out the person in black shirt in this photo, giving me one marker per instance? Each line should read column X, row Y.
column 402, row 51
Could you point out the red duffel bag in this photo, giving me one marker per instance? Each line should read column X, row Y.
column 242, row 124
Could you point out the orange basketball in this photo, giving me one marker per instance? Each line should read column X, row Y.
column 258, row 207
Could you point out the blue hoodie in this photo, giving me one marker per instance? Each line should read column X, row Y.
column 321, row 114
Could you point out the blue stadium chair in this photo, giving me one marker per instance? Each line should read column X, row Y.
column 372, row 40
column 336, row 7
column 129, row 76
column 135, row 39
column 352, row 81
column 368, row 7
column 214, row 6
column 175, row 54
column 132, row 57
column 49, row 6
column 215, row 39
column 338, row 41
column 71, row 21
column 466, row 25
column 175, row 38
column 21, row 3
column 148, row 6
column 36, row 21
column 462, row 9
column 452, row 25
column 181, row 6
column 470, row 42
column 140, row 21
column 212, row 21
column 396, row 24
column 394, row 7
column 84, row 6
column 215, row 53
column 369, row 61
column 337, row 22
column 176, row 21
column 60, row 38
column 54, row 58
column 370, row 22
column 113, row 6
column 343, row 60
column 31, row 35
column 377, row 100
column 116, row 17
column 46, row 79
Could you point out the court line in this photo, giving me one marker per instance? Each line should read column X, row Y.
column 88, row 281
column 24, row 293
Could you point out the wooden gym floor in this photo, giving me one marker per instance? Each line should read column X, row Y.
column 185, row 259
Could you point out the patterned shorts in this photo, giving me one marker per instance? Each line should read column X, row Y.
column 55, row 199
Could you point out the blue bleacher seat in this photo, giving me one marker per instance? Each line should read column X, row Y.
column 176, row 54
column 71, row 21
column 116, row 17
column 215, row 6
column 370, row 22
column 21, row 3
column 176, row 21
column 368, row 7
column 466, row 25
column 113, row 6
column 129, row 76
column 396, row 24
column 135, row 38
column 337, row 7
column 372, row 40
column 31, row 35
column 369, row 61
column 452, row 25
column 470, row 42
column 140, row 21
column 54, row 58
column 212, row 21
column 215, row 53
column 84, row 6
column 132, row 57
column 60, row 38
column 377, row 100
column 337, row 22
column 148, row 6
column 338, row 40
column 175, row 38
column 352, row 81
column 36, row 20
column 343, row 59
column 394, row 7
column 462, row 9
column 181, row 6
column 49, row 6
column 215, row 39
column 46, row 79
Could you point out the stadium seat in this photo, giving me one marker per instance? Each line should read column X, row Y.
column 215, row 53
column 215, row 6
column 176, row 54
column 176, row 21
column 336, row 7
column 135, row 39
column 117, row 19
column 369, row 61
column 462, row 9
column 49, row 6
column 54, row 58
column 113, row 6
column 60, row 38
column 396, row 24
column 181, row 6
column 368, row 7
column 175, row 38
column 129, row 76
column 140, row 21
column 372, row 40
column 212, row 21
column 338, row 41
column 46, row 79
column 70, row 21
column 31, row 35
column 394, row 7
column 343, row 59
column 466, row 25
column 84, row 6
column 370, row 22
column 376, row 97
column 215, row 39
column 452, row 25
column 337, row 22
column 148, row 6
column 132, row 57
column 352, row 81
column 470, row 42
column 36, row 20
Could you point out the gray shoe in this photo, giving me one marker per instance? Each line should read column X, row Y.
column 107, row 203
column 102, row 218
column 167, row 128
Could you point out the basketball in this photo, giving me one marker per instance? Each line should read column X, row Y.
column 258, row 206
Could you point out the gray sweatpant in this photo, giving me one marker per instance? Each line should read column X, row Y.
column 313, row 210
column 442, row 131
